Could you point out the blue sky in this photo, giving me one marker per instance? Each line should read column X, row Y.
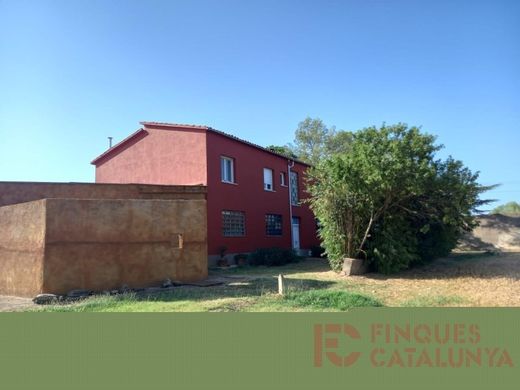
column 74, row 72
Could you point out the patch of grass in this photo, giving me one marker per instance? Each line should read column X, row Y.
column 99, row 303
column 434, row 300
column 192, row 299
column 330, row 299
column 253, row 295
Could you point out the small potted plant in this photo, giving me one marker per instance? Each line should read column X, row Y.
column 222, row 262
column 241, row 259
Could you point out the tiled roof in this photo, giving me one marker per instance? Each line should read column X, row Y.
column 235, row 138
column 181, row 125
column 185, row 126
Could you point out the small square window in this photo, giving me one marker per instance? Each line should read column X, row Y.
column 273, row 224
column 227, row 169
column 233, row 223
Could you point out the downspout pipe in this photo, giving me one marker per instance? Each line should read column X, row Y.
column 290, row 164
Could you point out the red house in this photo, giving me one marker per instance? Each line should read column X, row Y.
column 253, row 194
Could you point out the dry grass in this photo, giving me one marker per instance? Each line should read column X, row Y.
column 477, row 280
column 462, row 279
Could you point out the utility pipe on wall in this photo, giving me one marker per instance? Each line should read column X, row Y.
column 290, row 164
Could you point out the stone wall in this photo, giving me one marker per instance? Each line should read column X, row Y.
column 56, row 245
column 19, row 192
column 103, row 244
column 22, row 242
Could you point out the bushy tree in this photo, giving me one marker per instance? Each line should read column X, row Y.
column 390, row 201
column 511, row 209
column 314, row 141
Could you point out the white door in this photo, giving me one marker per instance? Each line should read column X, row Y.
column 296, row 233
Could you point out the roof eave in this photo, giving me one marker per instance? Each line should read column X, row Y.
column 140, row 132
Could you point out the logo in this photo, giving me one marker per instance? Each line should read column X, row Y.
column 448, row 345
column 332, row 342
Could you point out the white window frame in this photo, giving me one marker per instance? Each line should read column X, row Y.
column 283, row 180
column 268, row 186
column 223, row 171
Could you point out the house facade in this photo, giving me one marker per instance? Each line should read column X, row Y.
column 254, row 195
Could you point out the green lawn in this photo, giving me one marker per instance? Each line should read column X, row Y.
column 247, row 289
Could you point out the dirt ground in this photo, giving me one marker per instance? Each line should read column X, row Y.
column 459, row 280
column 8, row 303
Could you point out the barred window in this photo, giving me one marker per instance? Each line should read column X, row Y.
column 233, row 223
column 295, row 201
column 273, row 224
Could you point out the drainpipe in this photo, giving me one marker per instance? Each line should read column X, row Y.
column 290, row 164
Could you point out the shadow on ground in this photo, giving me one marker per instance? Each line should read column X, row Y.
column 483, row 266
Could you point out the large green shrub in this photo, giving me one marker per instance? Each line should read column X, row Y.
column 390, row 200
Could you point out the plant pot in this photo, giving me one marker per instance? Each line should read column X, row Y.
column 354, row 266
column 223, row 263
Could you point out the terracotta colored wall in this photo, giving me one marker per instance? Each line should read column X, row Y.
column 22, row 231
column 18, row 192
column 248, row 195
column 163, row 156
column 102, row 244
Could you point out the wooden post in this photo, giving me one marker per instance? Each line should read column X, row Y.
column 281, row 285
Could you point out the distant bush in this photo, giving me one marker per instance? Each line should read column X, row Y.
column 511, row 209
column 272, row 257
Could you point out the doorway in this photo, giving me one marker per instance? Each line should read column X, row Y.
column 296, row 233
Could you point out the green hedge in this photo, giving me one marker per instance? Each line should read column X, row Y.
column 272, row 257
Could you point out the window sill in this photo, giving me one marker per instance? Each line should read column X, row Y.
column 269, row 190
column 229, row 182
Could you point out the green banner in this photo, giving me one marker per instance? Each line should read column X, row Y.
column 364, row 348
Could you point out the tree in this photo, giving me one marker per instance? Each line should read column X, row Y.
column 511, row 209
column 314, row 141
column 387, row 199
column 283, row 150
